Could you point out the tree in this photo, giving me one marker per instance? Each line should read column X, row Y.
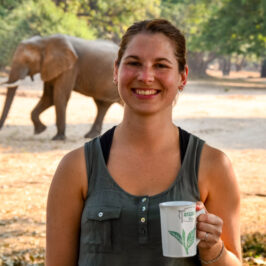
column 112, row 18
column 238, row 27
column 8, row 5
column 29, row 18
column 219, row 28
column 190, row 16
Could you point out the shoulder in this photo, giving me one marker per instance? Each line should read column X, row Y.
column 216, row 172
column 71, row 171
column 213, row 158
column 73, row 161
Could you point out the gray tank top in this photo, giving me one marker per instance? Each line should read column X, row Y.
column 119, row 229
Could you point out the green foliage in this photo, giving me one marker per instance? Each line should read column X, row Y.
column 238, row 27
column 112, row 18
column 218, row 28
column 254, row 245
column 8, row 5
column 189, row 16
column 212, row 28
column 31, row 18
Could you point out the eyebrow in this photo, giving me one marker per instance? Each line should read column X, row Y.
column 157, row 59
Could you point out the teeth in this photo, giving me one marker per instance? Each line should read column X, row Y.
column 146, row 92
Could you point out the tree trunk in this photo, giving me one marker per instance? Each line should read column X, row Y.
column 221, row 63
column 240, row 63
column 198, row 63
column 226, row 66
column 263, row 69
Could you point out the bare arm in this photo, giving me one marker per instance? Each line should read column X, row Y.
column 220, row 194
column 64, row 209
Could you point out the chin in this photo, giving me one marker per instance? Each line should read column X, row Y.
column 146, row 111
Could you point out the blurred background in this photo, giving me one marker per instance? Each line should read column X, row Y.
column 224, row 34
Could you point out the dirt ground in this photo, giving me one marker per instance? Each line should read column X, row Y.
column 229, row 114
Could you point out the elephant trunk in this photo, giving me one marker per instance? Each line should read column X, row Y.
column 9, row 99
column 18, row 72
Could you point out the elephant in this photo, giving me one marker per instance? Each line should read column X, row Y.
column 65, row 63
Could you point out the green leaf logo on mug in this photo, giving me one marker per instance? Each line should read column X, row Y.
column 185, row 242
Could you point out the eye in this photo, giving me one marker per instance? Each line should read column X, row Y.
column 133, row 63
column 160, row 65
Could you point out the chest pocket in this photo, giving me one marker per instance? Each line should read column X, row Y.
column 101, row 228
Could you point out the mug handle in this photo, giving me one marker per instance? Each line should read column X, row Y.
column 197, row 214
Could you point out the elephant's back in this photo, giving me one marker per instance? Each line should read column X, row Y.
column 96, row 51
column 97, row 47
column 95, row 62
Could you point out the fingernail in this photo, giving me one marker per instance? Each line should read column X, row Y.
column 198, row 208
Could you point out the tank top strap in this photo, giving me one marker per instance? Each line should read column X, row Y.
column 191, row 163
column 91, row 150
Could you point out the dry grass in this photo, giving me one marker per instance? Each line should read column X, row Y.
column 230, row 118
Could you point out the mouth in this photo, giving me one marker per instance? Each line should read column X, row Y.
column 146, row 92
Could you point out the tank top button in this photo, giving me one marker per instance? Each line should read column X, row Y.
column 144, row 199
column 143, row 220
column 100, row 214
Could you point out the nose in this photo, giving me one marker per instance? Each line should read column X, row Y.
column 146, row 74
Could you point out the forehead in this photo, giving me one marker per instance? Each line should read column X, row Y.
column 150, row 45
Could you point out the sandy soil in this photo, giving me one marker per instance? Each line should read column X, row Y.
column 229, row 114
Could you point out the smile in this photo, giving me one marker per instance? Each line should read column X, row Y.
column 145, row 92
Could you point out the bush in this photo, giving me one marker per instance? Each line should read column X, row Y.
column 254, row 245
column 39, row 17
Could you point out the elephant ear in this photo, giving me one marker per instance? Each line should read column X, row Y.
column 59, row 56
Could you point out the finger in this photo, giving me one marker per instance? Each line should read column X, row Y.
column 206, row 236
column 207, row 240
column 211, row 229
column 210, row 219
column 200, row 205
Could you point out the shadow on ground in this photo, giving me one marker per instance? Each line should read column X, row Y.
column 219, row 132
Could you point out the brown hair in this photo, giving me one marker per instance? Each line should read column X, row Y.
column 156, row 26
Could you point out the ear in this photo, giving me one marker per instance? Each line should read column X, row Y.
column 183, row 79
column 184, row 75
column 58, row 56
column 115, row 73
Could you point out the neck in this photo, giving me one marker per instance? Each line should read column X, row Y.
column 153, row 132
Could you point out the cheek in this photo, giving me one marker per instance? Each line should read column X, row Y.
column 170, row 81
column 125, row 76
column 124, row 79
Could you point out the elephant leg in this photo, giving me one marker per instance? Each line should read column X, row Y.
column 62, row 91
column 45, row 102
column 96, row 128
column 60, row 111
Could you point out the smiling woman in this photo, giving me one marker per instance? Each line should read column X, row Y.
column 103, row 204
column 148, row 73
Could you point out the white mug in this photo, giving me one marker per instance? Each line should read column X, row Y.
column 178, row 228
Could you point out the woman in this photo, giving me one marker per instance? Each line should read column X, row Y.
column 103, row 201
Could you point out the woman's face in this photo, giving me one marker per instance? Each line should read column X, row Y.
column 148, row 76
